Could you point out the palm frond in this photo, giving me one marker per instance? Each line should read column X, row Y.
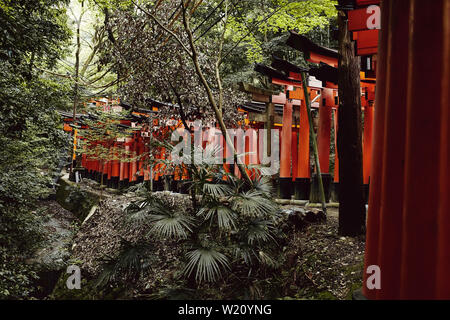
column 225, row 216
column 166, row 221
column 174, row 226
column 129, row 264
column 141, row 211
column 244, row 252
column 253, row 203
column 217, row 190
column 264, row 186
column 259, row 231
column 207, row 264
column 267, row 260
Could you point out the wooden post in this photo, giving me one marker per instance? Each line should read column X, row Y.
column 367, row 142
column 373, row 214
column 270, row 117
column 285, row 161
column 336, row 157
column 294, row 147
column 303, row 147
column 325, row 110
column 286, row 136
column 407, row 234
column 392, row 187
column 443, row 255
column 422, row 174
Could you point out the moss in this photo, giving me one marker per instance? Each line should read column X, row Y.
column 75, row 199
column 88, row 291
column 325, row 295
column 354, row 272
column 353, row 288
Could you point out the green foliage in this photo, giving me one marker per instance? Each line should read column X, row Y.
column 30, row 140
column 32, row 31
column 32, row 146
column 15, row 277
column 101, row 134
column 103, row 126
column 129, row 264
column 258, row 24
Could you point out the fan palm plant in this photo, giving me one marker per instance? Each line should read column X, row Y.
column 230, row 223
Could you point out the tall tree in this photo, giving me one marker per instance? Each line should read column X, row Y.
column 349, row 139
column 191, row 46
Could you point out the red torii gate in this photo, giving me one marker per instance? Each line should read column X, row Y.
column 327, row 73
column 408, row 227
column 296, row 166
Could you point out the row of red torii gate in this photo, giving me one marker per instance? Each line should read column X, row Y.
column 406, row 43
column 283, row 110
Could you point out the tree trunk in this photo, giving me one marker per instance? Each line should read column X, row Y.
column 75, row 91
column 349, row 138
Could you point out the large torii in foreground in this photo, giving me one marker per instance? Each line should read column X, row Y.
column 408, row 227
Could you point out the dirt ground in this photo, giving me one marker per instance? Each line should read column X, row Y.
column 320, row 263
column 332, row 264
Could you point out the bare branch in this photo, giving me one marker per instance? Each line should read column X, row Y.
column 163, row 27
column 219, row 58
column 211, row 99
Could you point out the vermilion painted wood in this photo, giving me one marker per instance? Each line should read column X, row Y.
column 357, row 19
column 297, row 93
column 185, row 173
column 140, row 153
column 324, row 129
column 443, row 261
column 366, row 51
column 286, row 136
column 162, row 168
column 246, row 151
column 336, row 158
column 295, row 76
column 303, row 145
column 176, row 173
column 392, row 191
column 366, row 41
column 318, row 58
column 367, row 142
column 422, row 151
column 126, row 164
column 239, row 150
column 226, row 153
column 253, row 148
column 133, row 164
column 366, row 2
column 115, row 165
column 146, row 158
column 108, row 165
column 156, row 166
column 121, row 162
column 373, row 215
column 294, row 151
column 331, row 85
column 282, row 82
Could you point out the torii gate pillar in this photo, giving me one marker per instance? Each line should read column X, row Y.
column 408, row 234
